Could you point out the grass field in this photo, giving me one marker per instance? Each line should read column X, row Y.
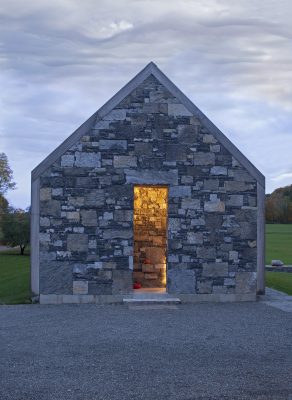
column 280, row 281
column 279, row 243
column 14, row 278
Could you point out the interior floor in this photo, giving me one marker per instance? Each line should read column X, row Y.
column 150, row 290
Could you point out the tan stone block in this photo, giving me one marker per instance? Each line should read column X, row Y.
column 73, row 216
column 138, row 275
column 210, row 139
column 148, row 268
column 245, row 282
column 45, row 194
column 80, row 287
column 151, row 276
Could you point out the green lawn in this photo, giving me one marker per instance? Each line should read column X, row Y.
column 279, row 243
column 280, row 281
column 14, row 278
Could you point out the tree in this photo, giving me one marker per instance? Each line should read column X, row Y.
column 6, row 175
column 16, row 228
column 279, row 206
column 3, row 211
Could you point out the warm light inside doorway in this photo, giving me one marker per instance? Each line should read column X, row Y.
column 150, row 235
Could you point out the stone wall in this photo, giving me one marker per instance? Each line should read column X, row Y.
column 86, row 203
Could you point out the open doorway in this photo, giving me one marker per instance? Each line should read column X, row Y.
column 150, row 237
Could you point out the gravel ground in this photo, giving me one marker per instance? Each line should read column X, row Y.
column 202, row 351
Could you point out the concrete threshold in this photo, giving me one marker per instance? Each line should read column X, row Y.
column 150, row 298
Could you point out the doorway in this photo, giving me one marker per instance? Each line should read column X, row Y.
column 150, row 237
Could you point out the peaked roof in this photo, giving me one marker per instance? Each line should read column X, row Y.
column 150, row 69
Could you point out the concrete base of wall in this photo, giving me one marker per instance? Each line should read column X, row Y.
column 118, row 299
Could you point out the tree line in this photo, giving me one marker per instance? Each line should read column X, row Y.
column 279, row 206
column 14, row 222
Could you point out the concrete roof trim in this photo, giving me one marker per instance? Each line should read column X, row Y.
column 151, row 68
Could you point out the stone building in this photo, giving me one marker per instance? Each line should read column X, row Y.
column 147, row 192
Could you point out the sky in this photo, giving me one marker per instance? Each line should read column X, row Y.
column 61, row 60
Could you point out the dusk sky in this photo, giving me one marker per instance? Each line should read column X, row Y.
column 61, row 60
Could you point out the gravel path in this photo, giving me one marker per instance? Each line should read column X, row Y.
column 202, row 351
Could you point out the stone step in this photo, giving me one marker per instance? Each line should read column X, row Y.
column 150, row 299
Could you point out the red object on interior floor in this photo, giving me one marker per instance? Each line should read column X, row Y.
column 137, row 285
column 147, row 261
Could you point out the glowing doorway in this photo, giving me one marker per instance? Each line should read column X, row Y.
column 150, row 236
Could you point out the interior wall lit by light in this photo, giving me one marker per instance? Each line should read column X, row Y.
column 150, row 235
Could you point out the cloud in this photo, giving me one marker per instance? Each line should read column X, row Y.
column 60, row 60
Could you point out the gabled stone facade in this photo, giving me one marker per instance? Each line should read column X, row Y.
column 86, row 203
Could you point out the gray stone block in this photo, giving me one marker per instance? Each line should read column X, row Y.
column 67, row 160
column 44, row 221
column 204, row 286
column 215, row 269
column 235, row 200
column 218, row 170
column 176, row 152
column 123, row 215
column 88, row 217
column 248, row 230
column 190, row 204
column 96, row 288
column 117, row 233
column 56, row 277
column 180, row 191
column 188, row 134
column 211, row 184
column 215, row 148
column 201, row 158
column 105, row 144
column 88, row 160
column 50, row 208
column 214, row 206
column 152, row 177
column 125, row 161
column 241, row 175
column 206, row 253
column 77, row 242
column 237, row 186
column 122, row 282
column 181, row 281
column 178, row 110
column 84, row 182
column 95, row 198
column 143, row 149
column 174, row 224
column 195, row 237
